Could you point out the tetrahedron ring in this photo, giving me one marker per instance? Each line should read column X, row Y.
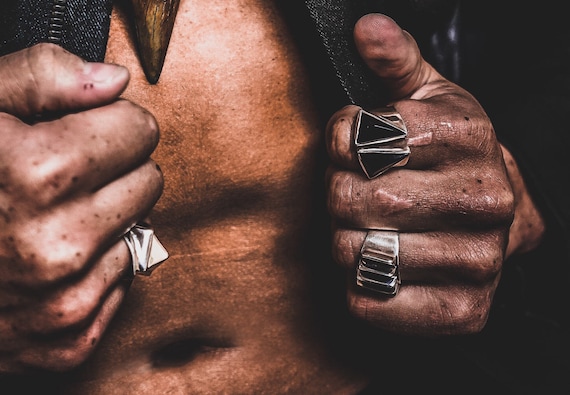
column 378, row 267
column 381, row 141
column 146, row 250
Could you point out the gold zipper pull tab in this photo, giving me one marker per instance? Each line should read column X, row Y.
column 154, row 20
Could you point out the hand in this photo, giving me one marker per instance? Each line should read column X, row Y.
column 75, row 174
column 453, row 203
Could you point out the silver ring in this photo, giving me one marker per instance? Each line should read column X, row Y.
column 381, row 141
column 378, row 267
column 147, row 252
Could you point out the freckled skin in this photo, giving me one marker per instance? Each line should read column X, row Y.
column 247, row 302
column 52, row 299
column 238, row 156
column 460, row 204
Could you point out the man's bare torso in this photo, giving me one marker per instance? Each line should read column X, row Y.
column 228, row 312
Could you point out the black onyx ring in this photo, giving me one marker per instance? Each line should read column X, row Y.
column 381, row 141
column 378, row 267
column 146, row 251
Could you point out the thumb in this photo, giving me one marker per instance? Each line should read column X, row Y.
column 393, row 55
column 46, row 78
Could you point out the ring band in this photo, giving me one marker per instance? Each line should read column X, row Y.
column 147, row 252
column 381, row 141
column 378, row 266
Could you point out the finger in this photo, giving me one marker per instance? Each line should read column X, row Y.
column 452, row 310
column 81, row 151
column 65, row 240
column 442, row 130
column 411, row 201
column 47, row 78
column 433, row 257
column 444, row 123
column 71, row 349
column 393, row 55
column 74, row 305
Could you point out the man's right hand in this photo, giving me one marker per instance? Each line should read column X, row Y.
column 75, row 175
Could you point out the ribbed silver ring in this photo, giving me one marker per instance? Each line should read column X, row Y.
column 378, row 266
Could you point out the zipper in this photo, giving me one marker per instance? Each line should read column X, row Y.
column 55, row 21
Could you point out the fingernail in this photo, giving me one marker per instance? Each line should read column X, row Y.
column 105, row 72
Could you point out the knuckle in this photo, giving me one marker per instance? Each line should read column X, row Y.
column 481, row 258
column 493, row 201
column 41, row 62
column 141, row 120
column 66, row 360
column 339, row 137
column 340, row 195
column 389, row 202
column 61, row 359
column 45, row 179
column 505, row 207
column 466, row 315
column 151, row 181
column 362, row 204
column 45, row 261
column 343, row 250
column 144, row 119
column 152, row 128
column 454, row 121
column 489, row 266
column 73, row 308
column 157, row 177
column 46, row 52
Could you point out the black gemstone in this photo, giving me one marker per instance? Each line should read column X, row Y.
column 375, row 130
column 376, row 163
column 386, row 267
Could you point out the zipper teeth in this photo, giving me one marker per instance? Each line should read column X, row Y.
column 55, row 21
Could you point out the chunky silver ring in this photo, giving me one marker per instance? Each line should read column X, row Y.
column 378, row 266
column 147, row 252
column 381, row 141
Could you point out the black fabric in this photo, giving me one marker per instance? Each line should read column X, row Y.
column 80, row 26
column 434, row 26
column 335, row 20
